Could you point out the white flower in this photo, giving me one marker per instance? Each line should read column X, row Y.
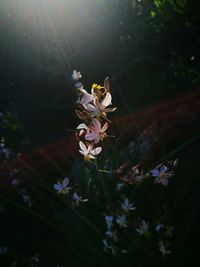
column 158, row 227
column 88, row 152
column 111, row 234
column 163, row 249
column 119, row 186
column 78, row 198
column 4, row 151
column 126, row 206
column 62, row 188
column 143, row 227
column 109, row 221
column 162, row 175
column 95, row 132
column 34, row 260
column 26, row 198
column 106, row 246
column 100, row 108
column 76, row 75
column 121, row 220
column 82, row 127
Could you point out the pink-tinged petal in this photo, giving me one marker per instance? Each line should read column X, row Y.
column 105, row 127
column 90, row 107
column 97, row 139
column 96, row 151
column 107, row 100
column 86, row 99
column 83, row 91
column 82, row 126
column 82, row 146
column 91, row 136
column 97, row 125
column 97, row 104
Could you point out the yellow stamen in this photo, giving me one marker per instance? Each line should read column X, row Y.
column 97, row 86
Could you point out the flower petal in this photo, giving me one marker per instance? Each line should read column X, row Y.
column 91, row 156
column 97, row 125
column 91, row 136
column 57, row 187
column 107, row 100
column 82, row 152
column 105, row 127
column 96, row 151
column 106, row 110
column 65, row 181
column 83, row 146
column 82, row 126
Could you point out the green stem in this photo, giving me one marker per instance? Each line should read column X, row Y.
column 105, row 190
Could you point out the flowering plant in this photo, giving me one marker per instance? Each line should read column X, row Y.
column 92, row 109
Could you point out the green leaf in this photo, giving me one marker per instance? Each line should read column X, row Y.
column 153, row 14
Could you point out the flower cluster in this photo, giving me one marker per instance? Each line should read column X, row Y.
column 165, row 234
column 135, row 175
column 62, row 187
column 4, row 151
column 120, row 218
column 115, row 222
column 123, row 218
column 142, row 227
column 92, row 109
column 131, row 174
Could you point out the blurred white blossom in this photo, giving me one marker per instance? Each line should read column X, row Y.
column 88, row 151
column 62, row 187
column 78, row 198
column 142, row 227
column 162, row 174
column 109, row 221
column 121, row 221
column 76, row 75
column 26, row 198
column 126, row 206
column 163, row 249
